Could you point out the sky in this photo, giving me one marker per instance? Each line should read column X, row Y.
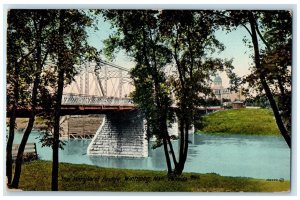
column 236, row 49
column 233, row 41
column 96, row 39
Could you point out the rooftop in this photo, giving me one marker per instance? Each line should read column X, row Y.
column 217, row 79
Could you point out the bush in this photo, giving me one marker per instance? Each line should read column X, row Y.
column 27, row 157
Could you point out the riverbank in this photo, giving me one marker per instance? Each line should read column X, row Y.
column 21, row 123
column 36, row 176
column 240, row 121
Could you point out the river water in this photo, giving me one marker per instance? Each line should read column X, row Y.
column 265, row 157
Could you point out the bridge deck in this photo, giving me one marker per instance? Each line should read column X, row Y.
column 78, row 110
column 83, row 105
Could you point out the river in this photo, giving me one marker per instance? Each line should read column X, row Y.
column 264, row 157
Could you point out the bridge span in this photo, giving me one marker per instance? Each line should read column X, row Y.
column 117, row 127
column 86, row 105
column 100, row 88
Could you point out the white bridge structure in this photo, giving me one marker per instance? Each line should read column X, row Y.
column 71, row 99
column 102, row 83
column 97, row 106
column 116, row 126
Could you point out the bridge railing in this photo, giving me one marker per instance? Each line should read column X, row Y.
column 72, row 99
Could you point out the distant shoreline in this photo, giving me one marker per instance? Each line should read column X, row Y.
column 245, row 121
column 239, row 121
column 21, row 124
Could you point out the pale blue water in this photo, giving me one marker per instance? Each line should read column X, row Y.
column 265, row 157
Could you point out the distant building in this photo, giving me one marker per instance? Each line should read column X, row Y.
column 224, row 93
column 237, row 104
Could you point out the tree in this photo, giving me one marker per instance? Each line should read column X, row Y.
column 272, row 57
column 19, row 49
column 263, row 74
column 41, row 21
column 70, row 45
column 155, row 40
column 60, row 38
column 258, row 100
column 138, row 33
column 213, row 102
column 262, row 77
column 274, row 28
column 189, row 35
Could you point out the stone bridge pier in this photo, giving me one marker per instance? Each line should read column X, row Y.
column 120, row 134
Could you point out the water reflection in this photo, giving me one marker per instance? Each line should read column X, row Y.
column 228, row 155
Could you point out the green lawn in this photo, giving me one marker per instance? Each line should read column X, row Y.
column 241, row 121
column 36, row 176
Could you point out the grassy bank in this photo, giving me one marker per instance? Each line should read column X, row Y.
column 39, row 123
column 37, row 176
column 241, row 121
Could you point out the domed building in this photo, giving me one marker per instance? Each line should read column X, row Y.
column 217, row 83
column 224, row 93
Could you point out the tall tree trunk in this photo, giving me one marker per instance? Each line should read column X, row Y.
column 169, row 166
column 12, row 124
column 159, row 104
column 186, row 144
column 264, row 83
column 57, row 106
column 164, row 129
column 55, row 147
column 171, row 150
column 183, row 108
column 183, row 147
column 19, row 159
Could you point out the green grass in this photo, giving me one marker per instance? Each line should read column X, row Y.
column 36, row 176
column 241, row 121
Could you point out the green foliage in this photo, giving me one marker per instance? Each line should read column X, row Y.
column 44, row 47
column 74, row 177
column 157, row 144
column 156, row 40
column 72, row 49
column 272, row 70
column 259, row 101
column 240, row 121
column 138, row 34
column 21, row 50
column 212, row 102
column 28, row 29
column 189, row 34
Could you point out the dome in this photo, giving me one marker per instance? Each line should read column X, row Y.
column 217, row 79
